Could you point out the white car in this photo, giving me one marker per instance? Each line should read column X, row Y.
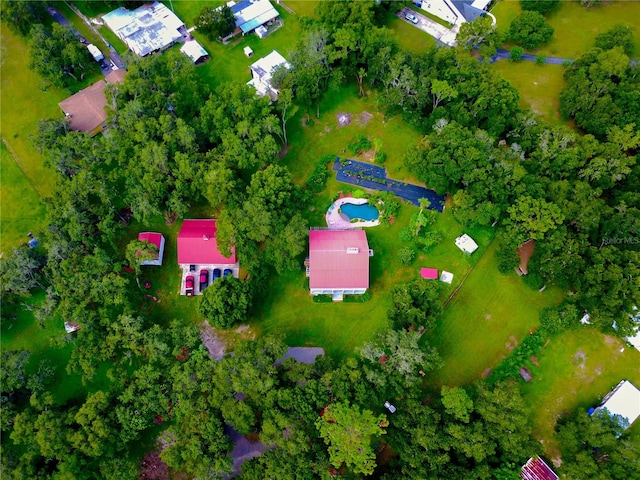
column 389, row 407
column 411, row 17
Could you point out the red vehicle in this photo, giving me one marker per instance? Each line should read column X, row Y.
column 188, row 286
column 204, row 279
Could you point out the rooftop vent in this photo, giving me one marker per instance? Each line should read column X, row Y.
column 205, row 237
column 352, row 250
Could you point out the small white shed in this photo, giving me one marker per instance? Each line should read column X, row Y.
column 465, row 243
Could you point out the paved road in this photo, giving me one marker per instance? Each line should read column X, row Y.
column 506, row 55
column 437, row 31
column 113, row 55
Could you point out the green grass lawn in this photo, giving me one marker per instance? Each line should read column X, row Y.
column 408, row 37
column 577, row 369
column 24, row 104
column 539, row 87
column 21, row 331
column 575, row 27
column 324, row 136
column 21, row 207
column 484, row 321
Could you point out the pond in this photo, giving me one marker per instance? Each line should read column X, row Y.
column 362, row 212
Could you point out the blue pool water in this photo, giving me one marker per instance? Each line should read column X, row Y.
column 364, row 212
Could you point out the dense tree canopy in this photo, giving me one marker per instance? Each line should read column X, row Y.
column 530, row 30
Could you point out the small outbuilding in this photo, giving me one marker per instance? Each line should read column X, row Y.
column 623, row 400
column 446, row 277
column 196, row 52
column 156, row 239
column 71, row 327
column 429, row 273
column 262, row 73
column 465, row 243
column 537, row 469
column 248, row 51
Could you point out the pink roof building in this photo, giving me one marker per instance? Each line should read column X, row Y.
column 197, row 244
column 338, row 262
column 429, row 273
column 537, row 469
column 158, row 240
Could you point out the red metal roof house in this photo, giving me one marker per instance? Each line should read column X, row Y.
column 338, row 262
column 197, row 244
column 156, row 239
column 537, row 469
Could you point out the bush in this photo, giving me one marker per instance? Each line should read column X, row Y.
column 365, row 297
column 317, row 182
column 430, row 239
column 541, row 59
column 541, row 6
column 360, row 143
column 530, row 30
column 380, row 157
column 322, row 298
column 406, row 235
column 508, row 258
column 618, row 36
column 406, row 256
column 558, row 319
column 516, row 54
column 519, row 357
column 226, row 302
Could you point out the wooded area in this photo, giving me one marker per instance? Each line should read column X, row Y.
column 176, row 144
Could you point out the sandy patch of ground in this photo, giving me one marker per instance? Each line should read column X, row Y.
column 343, row 119
column 216, row 341
column 214, row 344
column 487, row 316
column 369, row 155
column 512, row 343
column 365, row 117
column 579, row 359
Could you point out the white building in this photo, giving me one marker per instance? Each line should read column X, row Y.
column 455, row 12
column 465, row 243
column 196, row 52
column 624, row 400
column 262, row 73
column 147, row 29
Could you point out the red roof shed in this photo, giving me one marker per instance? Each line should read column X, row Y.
column 338, row 260
column 197, row 244
column 429, row 273
column 537, row 469
column 156, row 239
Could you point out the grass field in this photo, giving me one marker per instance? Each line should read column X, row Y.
column 28, row 104
column 489, row 315
column 323, row 135
column 576, row 370
column 22, row 209
column 539, row 86
column 575, row 27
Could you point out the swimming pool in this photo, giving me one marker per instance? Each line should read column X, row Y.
column 362, row 212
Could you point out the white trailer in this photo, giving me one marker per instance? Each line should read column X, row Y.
column 95, row 52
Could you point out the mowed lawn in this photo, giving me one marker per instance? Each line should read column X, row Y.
column 21, row 207
column 311, row 137
column 575, row 27
column 576, row 369
column 539, row 86
column 25, row 103
column 489, row 315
